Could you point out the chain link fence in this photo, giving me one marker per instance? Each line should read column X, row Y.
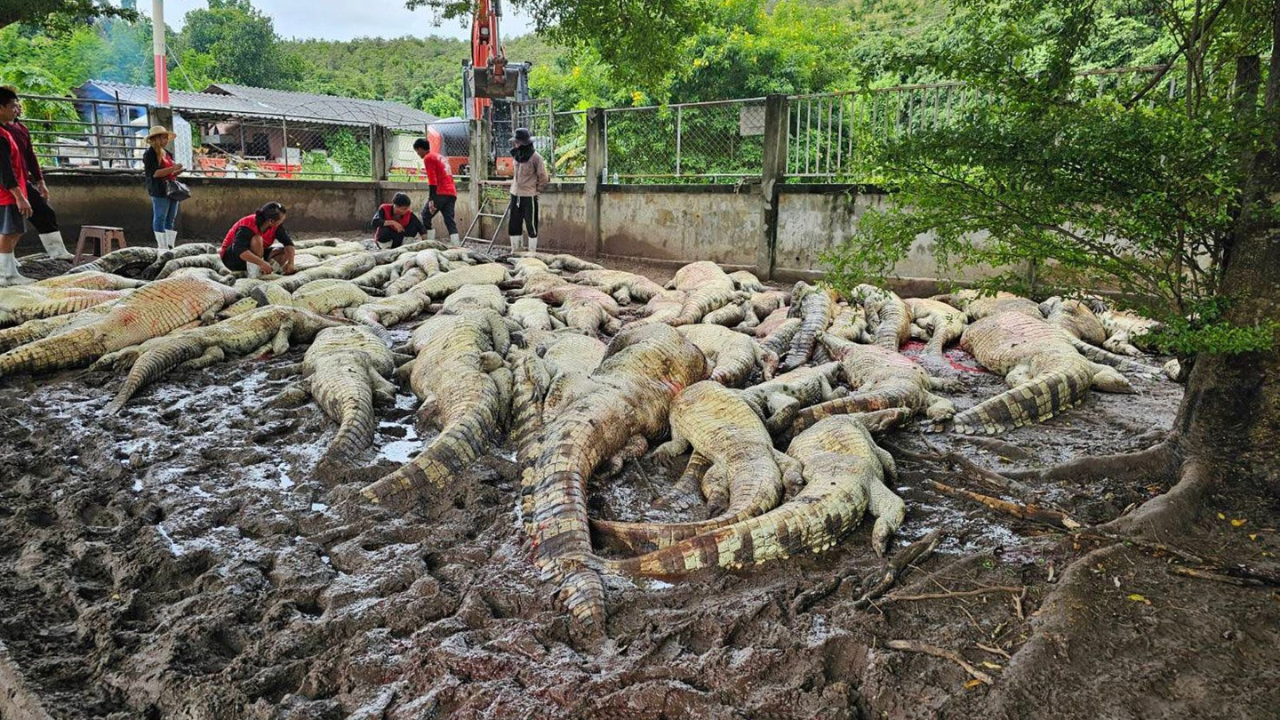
column 720, row 141
column 569, row 145
column 69, row 134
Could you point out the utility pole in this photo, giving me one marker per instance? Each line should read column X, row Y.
column 157, row 48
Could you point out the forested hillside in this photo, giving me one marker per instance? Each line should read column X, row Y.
column 743, row 48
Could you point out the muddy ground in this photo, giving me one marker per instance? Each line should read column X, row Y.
column 183, row 560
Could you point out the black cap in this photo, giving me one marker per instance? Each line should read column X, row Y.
column 522, row 137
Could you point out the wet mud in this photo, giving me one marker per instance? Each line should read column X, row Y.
column 185, row 560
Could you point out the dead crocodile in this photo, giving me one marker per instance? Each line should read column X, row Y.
column 437, row 287
column 465, row 387
column 346, row 370
column 626, row 404
column 707, row 289
column 878, row 379
column 585, row 308
column 33, row 330
column 1128, row 333
column 844, row 473
column 777, row 401
column 269, row 329
column 1041, row 364
column 662, row 308
column 181, row 251
column 91, row 280
column 625, row 287
column 531, row 314
column 850, row 324
column 746, row 473
column 151, row 311
column 33, row 302
column 210, row 261
column 779, row 340
column 888, row 318
column 125, row 261
column 815, row 308
column 733, row 356
column 1075, row 317
column 328, row 296
column 939, row 323
column 546, row 378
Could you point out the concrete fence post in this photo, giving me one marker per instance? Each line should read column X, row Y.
column 594, row 177
column 479, row 168
column 378, row 137
column 772, row 175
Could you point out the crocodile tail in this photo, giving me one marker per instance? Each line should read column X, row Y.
column 355, row 430
column 581, row 590
column 69, row 349
column 1031, row 402
column 457, row 445
column 153, row 365
column 893, row 397
column 1107, row 357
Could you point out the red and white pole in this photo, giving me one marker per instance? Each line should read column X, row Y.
column 157, row 44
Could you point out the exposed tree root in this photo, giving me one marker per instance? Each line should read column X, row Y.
column 1169, row 514
column 1157, row 460
column 1032, row 512
column 945, row 654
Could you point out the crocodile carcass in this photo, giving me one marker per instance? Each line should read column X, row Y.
column 268, row 329
column 844, row 473
column 626, row 404
column 744, row 475
column 465, row 388
column 152, row 311
column 35, row 302
column 733, row 356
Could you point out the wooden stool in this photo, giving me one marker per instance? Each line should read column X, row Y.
column 102, row 237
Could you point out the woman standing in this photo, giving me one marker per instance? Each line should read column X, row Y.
column 14, row 206
column 159, row 168
column 529, row 178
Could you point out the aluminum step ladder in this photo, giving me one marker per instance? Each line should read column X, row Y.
column 491, row 194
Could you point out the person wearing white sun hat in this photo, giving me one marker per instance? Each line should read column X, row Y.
column 159, row 169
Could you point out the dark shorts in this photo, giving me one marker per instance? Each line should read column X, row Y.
column 231, row 258
column 11, row 221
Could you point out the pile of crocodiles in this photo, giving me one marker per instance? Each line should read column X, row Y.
column 770, row 396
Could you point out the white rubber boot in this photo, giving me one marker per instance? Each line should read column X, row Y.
column 431, row 234
column 533, row 244
column 54, row 247
column 9, row 271
column 453, row 240
column 515, row 243
column 162, row 240
column 173, row 238
column 252, row 271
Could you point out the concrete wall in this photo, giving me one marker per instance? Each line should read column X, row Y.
column 681, row 223
column 813, row 219
column 660, row 223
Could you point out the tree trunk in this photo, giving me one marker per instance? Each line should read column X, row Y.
column 1230, row 415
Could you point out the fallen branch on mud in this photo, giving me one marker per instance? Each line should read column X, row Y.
column 911, row 554
column 1232, row 576
column 945, row 654
column 955, row 594
column 1030, row 511
column 970, row 469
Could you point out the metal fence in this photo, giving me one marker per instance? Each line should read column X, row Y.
column 73, row 134
column 276, row 147
column 569, row 145
column 721, row 141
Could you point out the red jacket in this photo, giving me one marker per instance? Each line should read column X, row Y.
column 438, row 174
column 19, row 170
column 250, row 221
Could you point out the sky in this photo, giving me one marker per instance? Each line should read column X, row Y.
column 348, row 19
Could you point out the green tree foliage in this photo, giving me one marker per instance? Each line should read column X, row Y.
column 1068, row 182
column 59, row 16
column 242, row 43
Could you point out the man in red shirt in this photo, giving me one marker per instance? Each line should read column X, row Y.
column 444, row 195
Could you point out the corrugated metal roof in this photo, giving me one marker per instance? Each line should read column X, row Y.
column 262, row 102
